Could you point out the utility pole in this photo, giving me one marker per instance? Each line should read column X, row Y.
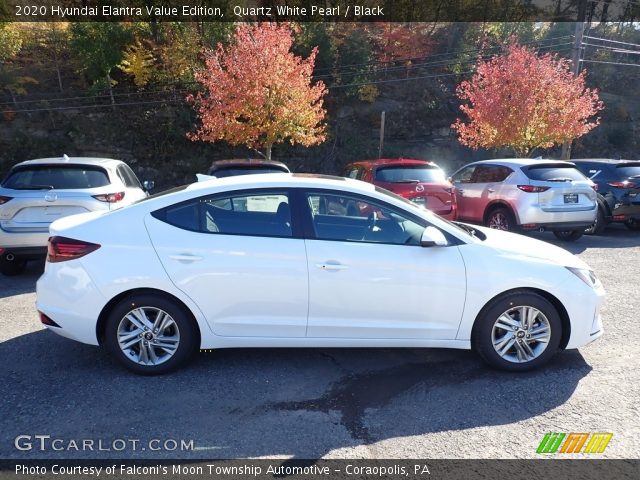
column 575, row 60
column 381, row 135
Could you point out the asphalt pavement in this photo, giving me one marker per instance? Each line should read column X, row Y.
column 56, row 395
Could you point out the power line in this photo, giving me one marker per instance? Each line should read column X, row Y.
column 612, row 63
column 613, row 49
column 612, row 41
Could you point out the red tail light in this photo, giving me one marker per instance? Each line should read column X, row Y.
column 47, row 321
column 624, row 184
column 532, row 189
column 62, row 249
column 4, row 200
column 110, row 197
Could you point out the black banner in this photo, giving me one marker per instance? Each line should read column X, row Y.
column 320, row 10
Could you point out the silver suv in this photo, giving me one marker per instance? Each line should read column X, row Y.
column 36, row 192
column 526, row 194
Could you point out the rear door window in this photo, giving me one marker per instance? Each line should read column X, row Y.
column 553, row 173
column 61, row 177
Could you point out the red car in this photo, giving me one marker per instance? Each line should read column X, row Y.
column 420, row 181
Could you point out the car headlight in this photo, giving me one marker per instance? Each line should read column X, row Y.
column 587, row 276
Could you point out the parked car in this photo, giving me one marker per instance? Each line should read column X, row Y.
column 421, row 181
column 247, row 166
column 618, row 186
column 36, row 192
column 526, row 194
column 186, row 269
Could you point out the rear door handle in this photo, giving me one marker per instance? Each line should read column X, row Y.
column 331, row 266
column 185, row 258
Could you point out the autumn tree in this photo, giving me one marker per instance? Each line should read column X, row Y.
column 257, row 93
column 401, row 42
column 524, row 100
column 138, row 61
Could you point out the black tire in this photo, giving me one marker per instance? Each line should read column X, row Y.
column 599, row 225
column 632, row 224
column 501, row 218
column 569, row 235
column 482, row 334
column 11, row 268
column 187, row 330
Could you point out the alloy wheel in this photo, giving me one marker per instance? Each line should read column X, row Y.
column 148, row 336
column 521, row 334
column 499, row 221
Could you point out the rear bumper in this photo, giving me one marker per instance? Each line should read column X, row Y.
column 534, row 214
column 625, row 212
column 26, row 253
column 14, row 241
column 557, row 227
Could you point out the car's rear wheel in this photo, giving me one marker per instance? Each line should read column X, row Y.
column 501, row 219
column 518, row 331
column 10, row 265
column 569, row 235
column 150, row 334
column 599, row 225
column 632, row 224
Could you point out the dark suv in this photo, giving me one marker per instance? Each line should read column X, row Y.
column 230, row 168
column 618, row 186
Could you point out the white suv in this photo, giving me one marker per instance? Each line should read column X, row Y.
column 526, row 194
column 36, row 192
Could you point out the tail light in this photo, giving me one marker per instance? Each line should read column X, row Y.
column 47, row 321
column 61, row 249
column 4, row 199
column 532, row 188
column 623, row 184
column 110, row 197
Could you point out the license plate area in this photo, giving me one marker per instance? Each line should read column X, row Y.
column 420, row 201
column 570, row 198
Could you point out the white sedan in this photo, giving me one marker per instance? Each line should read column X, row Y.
column 291, row 260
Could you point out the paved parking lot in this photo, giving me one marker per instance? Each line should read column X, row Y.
column 352, row 403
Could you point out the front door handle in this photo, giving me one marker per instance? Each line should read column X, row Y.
column 185, row 258
column 331, row 266
column 491, row 190
column 460, row 191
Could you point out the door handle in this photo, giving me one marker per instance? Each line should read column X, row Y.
column 491, row 190
column 331, row 266
column 460, row 191
column 185, row 258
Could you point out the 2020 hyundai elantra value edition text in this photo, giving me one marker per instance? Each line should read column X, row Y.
column 285, row 260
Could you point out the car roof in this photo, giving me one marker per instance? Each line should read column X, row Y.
column 65, row 160
column 610, row 161
column 393, row 161
column 518, row 162
column 246, row 162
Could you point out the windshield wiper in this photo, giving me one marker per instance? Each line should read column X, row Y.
column 35, row 187
column 467, row 228
column 559, row 179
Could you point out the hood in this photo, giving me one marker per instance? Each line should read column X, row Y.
column 521, row 245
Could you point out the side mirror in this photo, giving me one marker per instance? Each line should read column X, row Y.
column 432, row 237
column 148, row 185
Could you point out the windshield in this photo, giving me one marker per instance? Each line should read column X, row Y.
column 46, row 177
column 231, row 172
column 410, row 174
column 554, row 173
column 629, row 171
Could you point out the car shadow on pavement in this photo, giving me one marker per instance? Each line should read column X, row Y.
column 23, row 283
column 615, row 236
column 300, row 403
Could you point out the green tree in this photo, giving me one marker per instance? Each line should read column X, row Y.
column 99, row 48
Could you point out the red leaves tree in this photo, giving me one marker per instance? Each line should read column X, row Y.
column 257, row 93
column 525, row 101
column 403, row 42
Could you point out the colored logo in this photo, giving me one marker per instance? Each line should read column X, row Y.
column 554, row 442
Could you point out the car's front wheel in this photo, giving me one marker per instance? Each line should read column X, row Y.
column 569, row 235
column 11, row 265
column 150, row 334
column 518, row 331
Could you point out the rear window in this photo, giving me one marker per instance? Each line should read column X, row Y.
column 39, row 177
column 410, row 174
column 628, row 171
column 230, row 172
column 553, row 173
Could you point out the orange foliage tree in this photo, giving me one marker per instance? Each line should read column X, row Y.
column 257, row 93
column 525, row 101
column 401, row 42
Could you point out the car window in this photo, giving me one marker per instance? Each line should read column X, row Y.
column 553, row 173
column 260, row 214
column 464, row 175
column 56, row 176
column 628, row 171
column 352, row 219
column 410, row 174
column 130, row 178
column 353, row 173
